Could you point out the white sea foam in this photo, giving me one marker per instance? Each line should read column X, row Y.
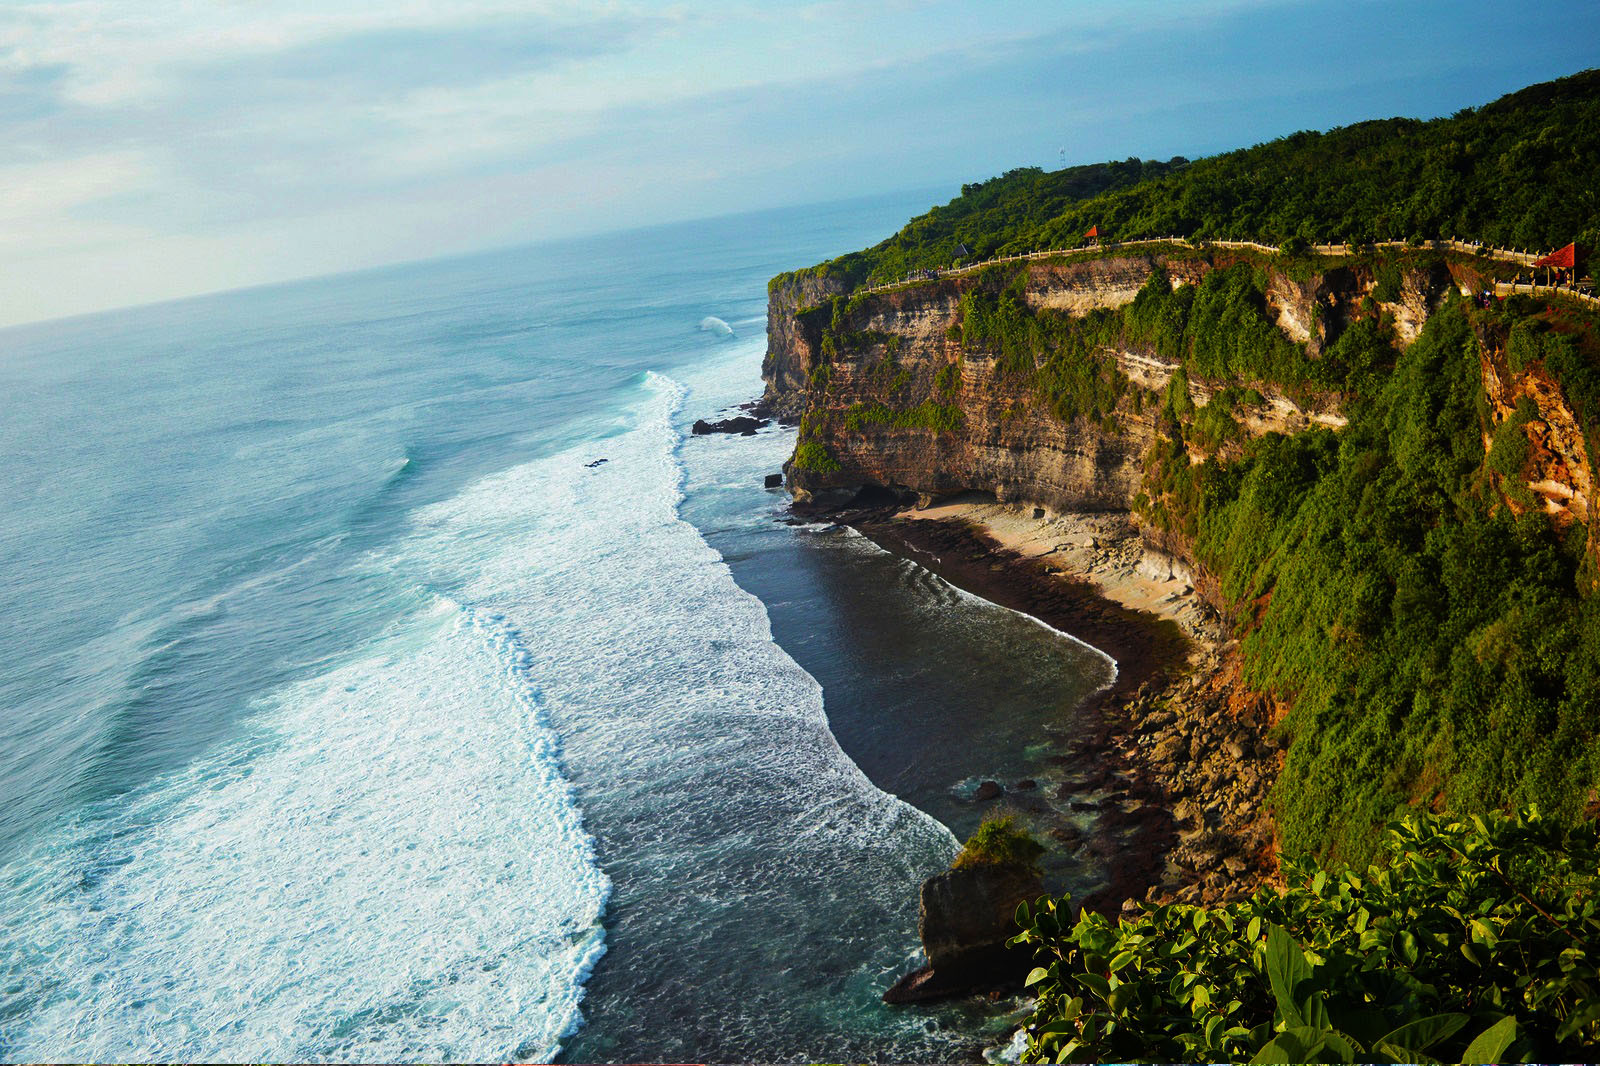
column 392, row 869
column 955, row 593
column 392, row 866
column 700, row 749
column 971, row 597
column 713, row 324
column 623, row 606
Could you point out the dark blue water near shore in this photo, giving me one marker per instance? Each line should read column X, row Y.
column 351, row 709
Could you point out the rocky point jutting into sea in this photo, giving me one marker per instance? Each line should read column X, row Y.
column 917, row 429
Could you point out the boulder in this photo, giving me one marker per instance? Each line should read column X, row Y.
column 1169, row 749
column 773, row 481
column 987, row 791
column 965, row 918
column 1067, row 834
column 742, row 424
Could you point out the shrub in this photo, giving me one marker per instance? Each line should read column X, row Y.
column 813, row 456
column 1389, row 281
column 939, row 417
column 1179, row 404
column 1508, row 452
column 999, row 842
column 1473, row 944
column 1214, row 425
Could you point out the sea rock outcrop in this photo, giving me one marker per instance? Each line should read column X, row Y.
column 965, row 918
column 742, row 424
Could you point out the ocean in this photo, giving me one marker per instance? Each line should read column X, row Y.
column 390, row 675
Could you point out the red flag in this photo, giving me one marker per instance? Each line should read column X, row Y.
column 1094, row 231
column 1561, row 258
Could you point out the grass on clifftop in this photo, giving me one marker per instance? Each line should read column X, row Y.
column 1518, row 172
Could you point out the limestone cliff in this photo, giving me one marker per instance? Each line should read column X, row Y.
column 890, row 397
column 906, row 406
column 790, row 352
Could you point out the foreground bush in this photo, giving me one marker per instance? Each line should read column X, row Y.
column 1476, row 943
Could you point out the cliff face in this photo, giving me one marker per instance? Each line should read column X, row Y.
column 889, row 396
column 791, row 351
column 1555, row 464
column 907, row 407
column 1001, row 441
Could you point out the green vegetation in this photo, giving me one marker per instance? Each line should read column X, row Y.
column 987, row 216
column 1518, row 172
column 1218, row 328
column 999, row 842
column 1214, row 425
column 941, row 418
column 813, row 456
column 1389, row 280
column 1474, row 942
column 836, row 342
column 1508, row 455
column 1359, row 361
column 1178, row 403
column 1565, row 342
column 1435, row 648
column 1060, row 356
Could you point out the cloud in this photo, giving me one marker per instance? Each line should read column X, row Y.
column 269, row 141
column 411, row 57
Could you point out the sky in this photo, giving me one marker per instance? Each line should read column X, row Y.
column 152, row 149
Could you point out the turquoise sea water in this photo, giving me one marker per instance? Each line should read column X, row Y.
column 351, row 709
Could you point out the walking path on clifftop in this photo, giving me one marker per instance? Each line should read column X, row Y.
column 1504, row 255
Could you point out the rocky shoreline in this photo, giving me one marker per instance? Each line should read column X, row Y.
column 1193, row 736
column 1173, row 762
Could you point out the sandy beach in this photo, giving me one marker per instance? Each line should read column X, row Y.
column 1101, row 548
column 1176, row 757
